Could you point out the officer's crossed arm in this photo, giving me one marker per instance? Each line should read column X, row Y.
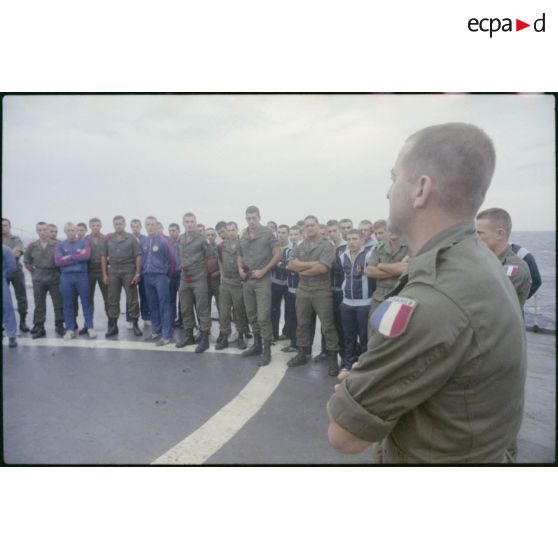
column 318, row 268
column 297, row 266
column 399, row 372
column 374, row 272
column 395, row 269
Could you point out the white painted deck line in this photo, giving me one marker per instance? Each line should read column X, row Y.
column 223, row 425
column 108, row 344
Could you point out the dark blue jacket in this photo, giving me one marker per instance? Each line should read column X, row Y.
column 292, row 276
column 529, row 259
column 72, row 256
column 357, row 287
column 157, row 255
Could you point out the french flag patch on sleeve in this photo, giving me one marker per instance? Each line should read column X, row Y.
column 392, row 317
column 512, row 270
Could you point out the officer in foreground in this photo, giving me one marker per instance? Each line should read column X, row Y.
column 443, row 378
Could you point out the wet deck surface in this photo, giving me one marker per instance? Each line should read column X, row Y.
column 66, row 402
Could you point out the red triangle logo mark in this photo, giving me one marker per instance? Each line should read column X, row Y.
column 519, row 25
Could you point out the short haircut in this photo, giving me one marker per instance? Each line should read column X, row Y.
column 41, row 223
column 148, row 218
column 499, row 219
column 312, row 217
column 294, row 228
column 300, row 222
column 346, row 221
column 52, row 225
column 366, row 222
column 5, row 219
column 273, row 223
column 210, row 229
column 200, row 226
column 82, row 225
column 460, row 158
column 355, row 231
column 136, row 221
column 332, row 223
column 94, row 220
column 220, row 225
column 253, row 209
column 175, row 226
column 380, row 224
column 189, row 214
column 232, row 223
column 69, row 224
column 118, row 218
column 283, row 227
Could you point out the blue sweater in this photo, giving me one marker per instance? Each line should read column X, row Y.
column 72, row 256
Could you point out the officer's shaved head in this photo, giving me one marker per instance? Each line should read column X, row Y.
column 459, row 158
column 497, row 218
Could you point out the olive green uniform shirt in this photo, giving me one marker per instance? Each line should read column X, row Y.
column 257, row 251
column 322, row 251
column 228, row 255
column 520, row 278
column 450, row 387
column 98, row 249
column 383, row 254
column 193, row 253
column 122, row 252
column 42, row 259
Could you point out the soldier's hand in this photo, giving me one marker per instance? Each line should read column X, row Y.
column 257, row 274
column 135, row 280
column 243, row 276
column 341, row 376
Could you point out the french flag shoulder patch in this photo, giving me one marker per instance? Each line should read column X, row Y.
column 392, row 317
column 511, row 270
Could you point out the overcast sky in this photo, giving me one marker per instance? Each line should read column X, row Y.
column 75, row 157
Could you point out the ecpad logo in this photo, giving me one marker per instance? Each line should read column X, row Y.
column 493, row 25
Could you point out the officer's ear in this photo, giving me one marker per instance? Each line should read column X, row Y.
column 422, row 190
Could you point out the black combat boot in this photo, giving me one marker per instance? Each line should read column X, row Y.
column 39, row 328
column 137, row 331
column 240, row 343
column 321, row 357
column 22, row 325
column 112, row 328
column 83, row 331
column 332, row 364
column 35, row 328
column 300, row 359
column 188, row 339
column 222, row 342
column 256, row 348
column 203, row 343
column 265, row 359
column 59, row 327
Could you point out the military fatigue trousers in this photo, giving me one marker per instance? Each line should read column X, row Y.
column 231, row 297
column 213, row 291
column 195, row 292
column 17, row 279
column 117, row 280
column 257, row 300
column 40, row 289
column 96, row 277
column 319, row 301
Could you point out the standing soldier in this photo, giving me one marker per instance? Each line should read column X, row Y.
column 258, row 254
column 81, row 230
column 231, row 292
column 221, row 228
column 192, row 249
column 312, row 260
column 345, row 225
column 17, row 277
column 157, row 266
column 279, row 281
column 121, row 271
column 213, row 273
column 494, row 227
column 9, row 266
column 388, row 261
column 380, row 230
column 39, row 260
column 52, row 231
column 443, row 378
column 174, row 233
column 135, row 225
column 98, row 247
column 71, row 256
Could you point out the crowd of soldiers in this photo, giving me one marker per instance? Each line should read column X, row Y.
column 333, row 271
column 430, row 330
